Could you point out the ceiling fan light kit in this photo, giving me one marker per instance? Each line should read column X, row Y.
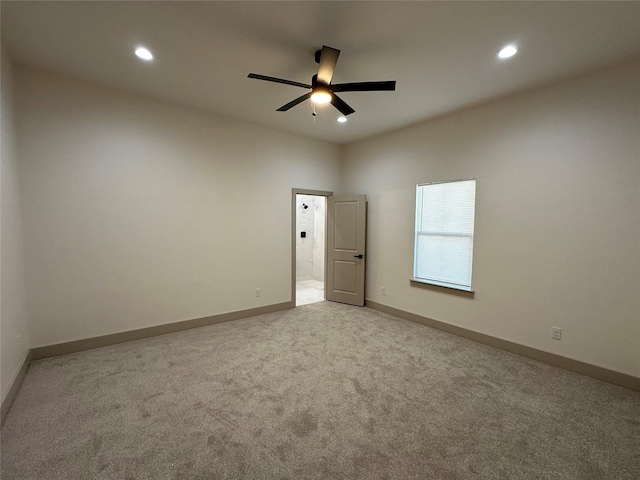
column 321, row 95
column 322, row 91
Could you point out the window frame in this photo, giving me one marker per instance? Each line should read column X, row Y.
column 432, row 284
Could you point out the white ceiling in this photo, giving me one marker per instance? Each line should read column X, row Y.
column 442, row 54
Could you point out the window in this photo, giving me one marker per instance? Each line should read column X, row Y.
column 444, row 233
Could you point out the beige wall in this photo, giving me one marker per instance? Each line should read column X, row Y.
column 557, row 215
column 14, row 333
column 139, row 213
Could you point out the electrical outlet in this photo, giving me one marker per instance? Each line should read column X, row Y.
column 258, row 292
column 383, row 290
column 556, row 333
column 19, row 341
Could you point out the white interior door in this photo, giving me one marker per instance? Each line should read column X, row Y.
column 346, row 243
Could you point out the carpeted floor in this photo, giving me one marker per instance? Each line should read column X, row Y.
column 323, row 391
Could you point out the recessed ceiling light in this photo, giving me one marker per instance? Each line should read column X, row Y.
column 144, row 54
column 342, row 119
column 508, row 51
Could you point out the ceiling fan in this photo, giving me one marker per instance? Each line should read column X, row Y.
column 322, row 91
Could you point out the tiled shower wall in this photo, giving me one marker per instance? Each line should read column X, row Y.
column 310, row 250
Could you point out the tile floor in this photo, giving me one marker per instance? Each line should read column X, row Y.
column 309, row 291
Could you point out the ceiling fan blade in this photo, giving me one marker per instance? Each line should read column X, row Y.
column 364, row 86
column 295, row 102
column 278, row 80
column 328, row 60
column 341, row 105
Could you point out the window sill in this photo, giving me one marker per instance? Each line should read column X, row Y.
column 441, row 289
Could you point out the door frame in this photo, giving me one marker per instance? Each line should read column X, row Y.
column 294, row 213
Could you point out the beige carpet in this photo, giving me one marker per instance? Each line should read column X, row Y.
column 324, row 391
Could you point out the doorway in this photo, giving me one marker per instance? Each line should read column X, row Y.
column 309, row 223
column 311, row 220
column 328, row 241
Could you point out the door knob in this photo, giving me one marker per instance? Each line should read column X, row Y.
column 358, row 256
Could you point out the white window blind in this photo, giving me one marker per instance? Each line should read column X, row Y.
column 444, row 233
